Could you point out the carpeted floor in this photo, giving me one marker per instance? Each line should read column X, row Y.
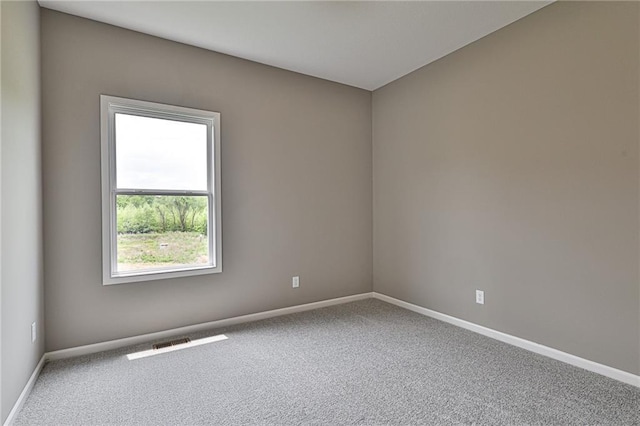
column 365, row 362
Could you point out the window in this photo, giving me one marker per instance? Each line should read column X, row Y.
column 160, row 191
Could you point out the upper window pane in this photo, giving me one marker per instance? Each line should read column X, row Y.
column 154, row 153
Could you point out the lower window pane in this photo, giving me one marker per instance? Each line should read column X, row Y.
column 161, row 232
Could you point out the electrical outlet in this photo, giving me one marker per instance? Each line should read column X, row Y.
column 33, row 332
column 480, row 297
column 295, row 282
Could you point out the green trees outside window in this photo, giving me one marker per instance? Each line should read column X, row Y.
column 161, row 230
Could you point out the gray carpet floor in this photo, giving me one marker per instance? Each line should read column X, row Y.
column 365, row 362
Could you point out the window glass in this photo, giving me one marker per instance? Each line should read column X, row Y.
column 153, row 153
column 160, row 231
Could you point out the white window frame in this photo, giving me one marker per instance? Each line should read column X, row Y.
column 109, row 106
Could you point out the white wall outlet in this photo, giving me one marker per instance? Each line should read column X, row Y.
column 480, row 297
column 295, row 282
column 33, row 332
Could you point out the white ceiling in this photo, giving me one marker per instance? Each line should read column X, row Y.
column 365, row 44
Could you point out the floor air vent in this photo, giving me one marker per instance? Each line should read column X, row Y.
column 171, row 343
column 175, row 345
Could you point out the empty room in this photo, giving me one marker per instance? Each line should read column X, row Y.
column 319, row 212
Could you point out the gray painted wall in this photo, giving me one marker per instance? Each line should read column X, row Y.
column 511, row 166
column 296, row 182
column 20, row 195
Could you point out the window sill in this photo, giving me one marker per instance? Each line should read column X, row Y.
column 159, row 274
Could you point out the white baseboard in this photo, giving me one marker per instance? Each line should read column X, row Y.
column 129, row 341
column 25, row 392
column 592, row 366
